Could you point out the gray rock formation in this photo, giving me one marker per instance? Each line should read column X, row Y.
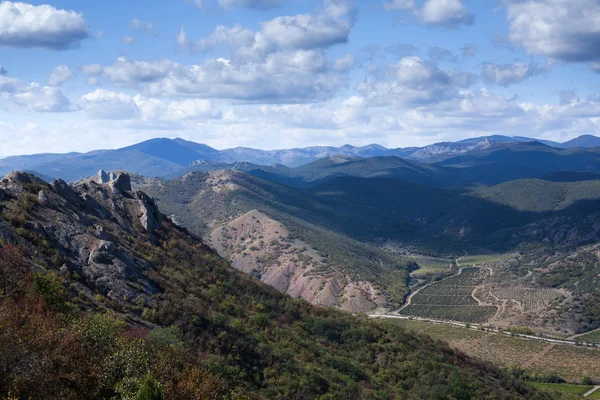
column 121, row 182
column 43, row 199
column 149, row 214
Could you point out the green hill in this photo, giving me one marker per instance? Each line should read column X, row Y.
column 104, row 297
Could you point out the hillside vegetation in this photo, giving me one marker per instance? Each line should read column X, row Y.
column 104, row 297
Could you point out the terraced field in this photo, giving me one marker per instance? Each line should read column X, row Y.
column 451, row 299
column 530, row 299
column 481, row 259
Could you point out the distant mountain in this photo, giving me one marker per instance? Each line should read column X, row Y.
column 172, row 157
column 156, row 157
column 585, row 141
column 297, row 157
column 509, row 161
column 375, row 167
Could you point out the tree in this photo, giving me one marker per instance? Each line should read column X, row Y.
column 150, row 389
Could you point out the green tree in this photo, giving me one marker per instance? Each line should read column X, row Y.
column 150, row 389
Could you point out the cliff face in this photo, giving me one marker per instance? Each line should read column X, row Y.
column 86, row 230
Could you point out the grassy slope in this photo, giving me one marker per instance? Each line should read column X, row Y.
column 195, row 203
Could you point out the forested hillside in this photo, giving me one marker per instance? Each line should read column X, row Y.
column 103, row 297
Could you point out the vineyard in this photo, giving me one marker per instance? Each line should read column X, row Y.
column 431, row 265
column 530, row 299
column 481, row 259
column 451, row 299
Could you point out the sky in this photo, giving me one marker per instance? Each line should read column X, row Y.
column 81, row 75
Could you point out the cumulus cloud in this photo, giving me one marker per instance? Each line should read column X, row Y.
column 284, row 76
column 28, row 26
column 235, row 36
column 252, row 4
column 104, row 104
column 110, row 105
column 510, row 74
column 344, row 63
column 128, row 40
column 143, row 26
column 60, row 75
column 565, row 30
column 413, row 82
column 330, row 24
column 43, row 99
column 449, row 13
column 8, row 85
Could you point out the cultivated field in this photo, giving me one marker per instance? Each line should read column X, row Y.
column 481, row 259
column 530, row 299
column 593, row 336
column 569, row 362
column 451, row 299
column 431, row 265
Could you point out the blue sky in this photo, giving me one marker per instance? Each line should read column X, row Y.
column 78, row 76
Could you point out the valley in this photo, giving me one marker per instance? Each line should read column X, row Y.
column 505, row 273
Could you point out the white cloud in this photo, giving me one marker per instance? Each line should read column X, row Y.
column 128, row 40
column 344, row 63
column 252, row 4
column 143, row 26
column 109, row 105
column 290, row 76
column 236, row 36
column 8, row 84
column 104, row 104
column 60, row 75
column 192, row 109
column 449, row 13
column 510, row 74
column 566, row 30
column 43, row 99
column 330, row 24
column 413, row 82
column 28, row 26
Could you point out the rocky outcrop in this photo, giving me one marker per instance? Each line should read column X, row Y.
column 88, row 223
column 149, row 214
column 65, row 191
column 17, row 181
column 121, row 183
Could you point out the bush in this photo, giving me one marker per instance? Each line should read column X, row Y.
column 150, row 390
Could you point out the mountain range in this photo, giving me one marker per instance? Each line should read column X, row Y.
column 169, row 157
